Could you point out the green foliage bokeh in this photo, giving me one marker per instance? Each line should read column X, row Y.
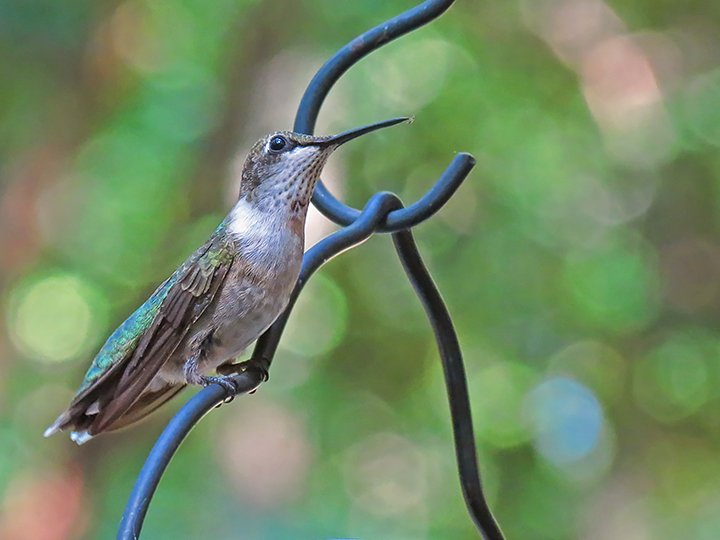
column 580, row 261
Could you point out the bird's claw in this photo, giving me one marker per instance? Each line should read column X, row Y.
column 242, row 367
column 228, row 384
column 227, row 381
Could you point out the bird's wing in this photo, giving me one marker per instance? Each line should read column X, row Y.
column 129, row 360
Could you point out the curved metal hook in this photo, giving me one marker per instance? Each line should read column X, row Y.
column 383, row 213
column 211, row 396
column 354, row 51
column 368, row 222
column 167, row 444
column 328, row 75
column 423, row 209
column 419, row 211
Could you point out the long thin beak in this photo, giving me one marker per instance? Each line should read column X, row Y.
column 342, row 138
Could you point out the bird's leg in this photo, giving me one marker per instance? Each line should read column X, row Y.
column 198, row 351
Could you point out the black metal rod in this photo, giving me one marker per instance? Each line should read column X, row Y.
column 353, row 52
column 426, row 206
column 211, row 396
column 168, row 442
column 382, row 213
column 455, row 380
column 360, row 230
column 335, row 67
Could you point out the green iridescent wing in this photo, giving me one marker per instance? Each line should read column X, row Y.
column 124, row 339
column 137, row 350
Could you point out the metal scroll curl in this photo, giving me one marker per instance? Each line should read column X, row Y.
column 384, row 213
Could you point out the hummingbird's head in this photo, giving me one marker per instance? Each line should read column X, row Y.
column 282, row 168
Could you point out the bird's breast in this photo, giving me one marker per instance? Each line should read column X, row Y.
column 256, row 290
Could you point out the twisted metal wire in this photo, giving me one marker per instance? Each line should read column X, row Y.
column 384, row 213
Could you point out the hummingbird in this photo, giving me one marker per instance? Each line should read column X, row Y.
column 219, row 301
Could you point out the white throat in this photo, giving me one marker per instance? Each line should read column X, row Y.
column 262, row 235
column 248, row 221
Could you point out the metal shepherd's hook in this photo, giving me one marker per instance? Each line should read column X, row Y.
column 384, row 213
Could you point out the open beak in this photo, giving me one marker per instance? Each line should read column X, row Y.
column 342, row 138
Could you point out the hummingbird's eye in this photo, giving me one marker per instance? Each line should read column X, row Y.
column 277, row 143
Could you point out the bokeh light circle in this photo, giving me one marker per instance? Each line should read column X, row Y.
column 675, row 379
column 497, row 393
column 614, row 286
column 55, row 317
column 566, row 418
column 319, row 320
column 595, row 364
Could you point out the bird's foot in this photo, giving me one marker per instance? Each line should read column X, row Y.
column 228, row 384
column 243, row 367
column 228, row 370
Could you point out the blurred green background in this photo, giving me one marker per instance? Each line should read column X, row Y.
column 580, row 260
